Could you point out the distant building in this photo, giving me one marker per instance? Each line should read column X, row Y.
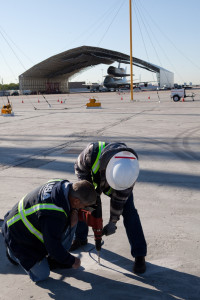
column 165, row 78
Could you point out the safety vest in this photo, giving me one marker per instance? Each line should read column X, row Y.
column 96, row 166
column 24, row 213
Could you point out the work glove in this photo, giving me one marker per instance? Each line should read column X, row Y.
column 109, row 229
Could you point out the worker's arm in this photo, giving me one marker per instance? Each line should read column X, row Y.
column 52, row 229
column 83, row 164
column 117, row 202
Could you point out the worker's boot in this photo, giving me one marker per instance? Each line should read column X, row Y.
column 139, row 265
column 77, row 244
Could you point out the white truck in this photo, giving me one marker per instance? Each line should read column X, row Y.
column 177, row 94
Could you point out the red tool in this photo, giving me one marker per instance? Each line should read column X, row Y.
column 93, row 219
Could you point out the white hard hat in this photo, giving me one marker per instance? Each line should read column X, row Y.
column 122, row 170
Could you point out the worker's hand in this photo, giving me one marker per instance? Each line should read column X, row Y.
column 77, row 263
column 109, row 229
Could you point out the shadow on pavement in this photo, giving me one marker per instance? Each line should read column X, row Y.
column 109, row 281
column 157, row 283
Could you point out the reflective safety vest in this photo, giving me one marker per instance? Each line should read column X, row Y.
column 23, row 213
column 96, row 166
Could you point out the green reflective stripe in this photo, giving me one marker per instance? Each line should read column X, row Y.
column 96, row 164
column 48, row 206
column 109, row 192
column 52, row 180
column 23, row 213
column 33, row 209
column 28, row 225
column 13, row 220
column 94, row 183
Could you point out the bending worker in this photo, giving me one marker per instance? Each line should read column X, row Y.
column 38, row 231
column 113, row 169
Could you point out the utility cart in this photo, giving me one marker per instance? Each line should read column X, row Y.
column 177, row 94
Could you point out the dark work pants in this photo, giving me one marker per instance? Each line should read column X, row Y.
column 132, row 225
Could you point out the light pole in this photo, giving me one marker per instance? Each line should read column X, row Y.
column 21, row 84
column 131, row 64
column 2, row 86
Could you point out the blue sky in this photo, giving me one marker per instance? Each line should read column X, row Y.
column 165, row 32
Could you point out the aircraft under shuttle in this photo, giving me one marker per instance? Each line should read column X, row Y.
column 117, row 78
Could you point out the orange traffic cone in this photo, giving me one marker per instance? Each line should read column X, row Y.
column 149, row 97
column 22, row 101
column 183, row 100
column 61, row 101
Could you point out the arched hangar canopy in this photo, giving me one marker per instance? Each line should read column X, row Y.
column 73, row 61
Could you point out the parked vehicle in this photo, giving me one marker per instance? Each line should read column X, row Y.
column 26, row 92
column 15, row 93
column 177, row 94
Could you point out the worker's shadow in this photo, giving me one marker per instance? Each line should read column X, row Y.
column 117, row 280
column 113, row 278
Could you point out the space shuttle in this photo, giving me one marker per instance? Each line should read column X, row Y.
column 116, row 78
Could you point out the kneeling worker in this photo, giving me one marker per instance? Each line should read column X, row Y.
column 38, row 231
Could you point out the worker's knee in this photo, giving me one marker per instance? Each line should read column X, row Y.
column 40, row 271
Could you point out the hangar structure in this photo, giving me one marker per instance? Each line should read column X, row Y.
column 52, row 75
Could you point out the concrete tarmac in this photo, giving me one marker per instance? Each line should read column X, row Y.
column 41, row 142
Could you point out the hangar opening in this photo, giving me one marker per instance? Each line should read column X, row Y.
column 52, row 75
